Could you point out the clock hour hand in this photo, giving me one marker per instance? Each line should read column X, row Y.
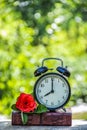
column 47, row 93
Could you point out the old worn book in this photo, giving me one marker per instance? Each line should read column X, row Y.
column 46, row 119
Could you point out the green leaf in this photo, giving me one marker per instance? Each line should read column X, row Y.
column 14, row 107
column 24, row 118
column 41, row 109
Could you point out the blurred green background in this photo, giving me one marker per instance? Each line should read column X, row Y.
column 31, row 30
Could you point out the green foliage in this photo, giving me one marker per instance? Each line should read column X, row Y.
column 80, row 116
column 24, row 118
column 41, row 109
column 31, row 30
column 14, row 107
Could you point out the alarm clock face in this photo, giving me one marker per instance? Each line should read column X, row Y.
column 52, row 90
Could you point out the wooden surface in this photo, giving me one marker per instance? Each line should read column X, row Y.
column 45, row 119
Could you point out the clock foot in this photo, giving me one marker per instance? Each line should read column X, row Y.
column 61, row 110
column 64, row 109
column 52, row 110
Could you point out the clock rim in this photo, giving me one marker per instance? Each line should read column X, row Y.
column 68, row 98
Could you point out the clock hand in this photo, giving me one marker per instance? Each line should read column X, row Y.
column 52, row 90
column 47, row 93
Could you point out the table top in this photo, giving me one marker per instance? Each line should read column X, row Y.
column 76, row 125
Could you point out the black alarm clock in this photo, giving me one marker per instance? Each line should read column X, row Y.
column 52, row 88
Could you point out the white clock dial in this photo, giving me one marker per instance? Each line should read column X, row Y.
column 52, row 90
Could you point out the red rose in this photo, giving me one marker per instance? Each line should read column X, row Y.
column 26, row 103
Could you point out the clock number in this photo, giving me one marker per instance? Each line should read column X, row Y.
column 59, row 101
column 63, row 85
column 42, row 85
column 52, row 79
column 46, row 80
column 41, row 97
column 65, row 91
column 52, row 103
column 46, row 101
column 39, row 91
column 58, row 80
column 63, row 97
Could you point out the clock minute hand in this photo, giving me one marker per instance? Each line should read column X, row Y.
column 52, row 90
